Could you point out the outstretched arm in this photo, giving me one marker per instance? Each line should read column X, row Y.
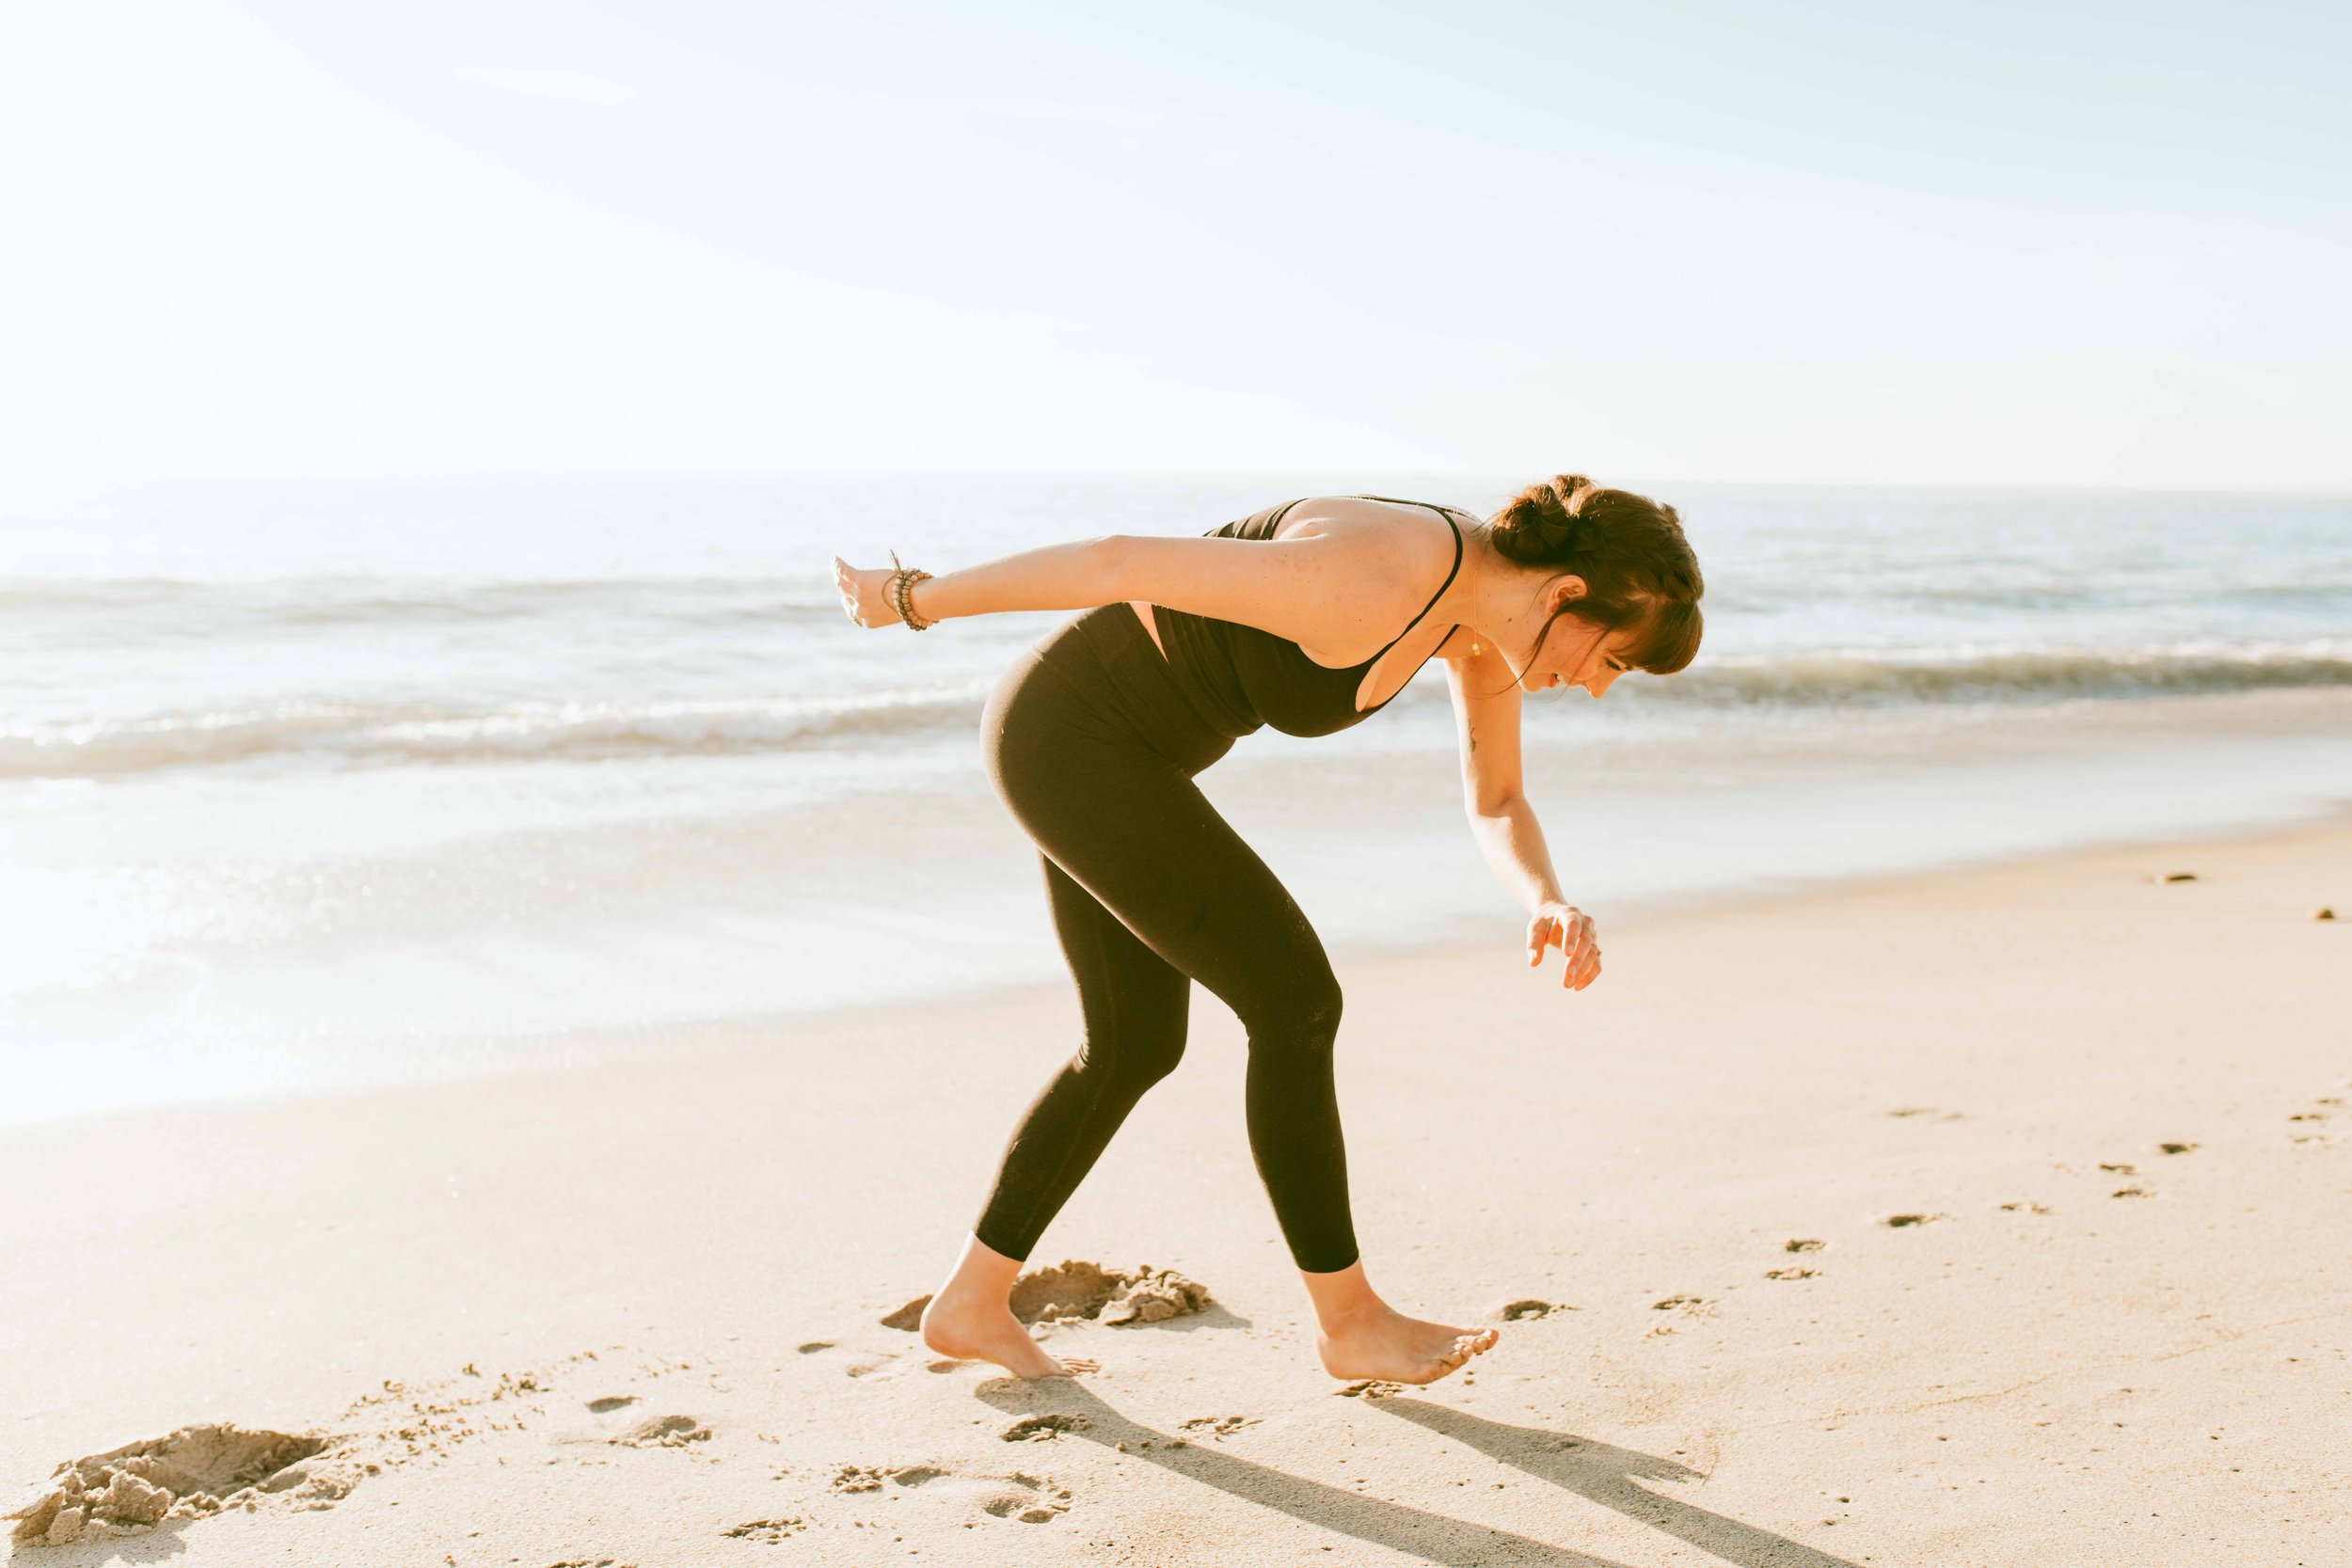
column 1487, row 714
column 1331, row 590
column 1074, row 576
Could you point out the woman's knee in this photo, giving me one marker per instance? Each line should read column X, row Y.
column 1139, row 1052
column 1302, row 1011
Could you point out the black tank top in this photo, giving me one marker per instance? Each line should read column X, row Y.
column 1241, row 678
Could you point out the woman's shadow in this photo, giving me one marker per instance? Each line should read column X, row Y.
column 1598, row 1471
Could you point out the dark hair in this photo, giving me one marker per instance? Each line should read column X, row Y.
column 1637, row 567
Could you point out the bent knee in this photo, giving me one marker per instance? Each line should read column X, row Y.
column 1303, row 1013
column 1140, row 1056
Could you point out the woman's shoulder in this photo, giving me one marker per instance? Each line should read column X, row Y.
column 1388, row 526
column 1398, row 549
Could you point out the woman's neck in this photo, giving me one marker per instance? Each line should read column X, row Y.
column 1499, row 601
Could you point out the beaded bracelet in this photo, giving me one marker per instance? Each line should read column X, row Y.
column 901, row 591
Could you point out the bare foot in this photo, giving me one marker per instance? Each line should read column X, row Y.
column 976, row 1329
column 1390, row 1346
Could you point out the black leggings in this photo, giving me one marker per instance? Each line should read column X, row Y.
column 1091, row 744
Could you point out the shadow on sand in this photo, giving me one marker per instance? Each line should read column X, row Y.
column 1596, row 1471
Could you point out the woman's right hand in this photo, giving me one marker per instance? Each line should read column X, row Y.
column 862, row 593
column 1570, row 929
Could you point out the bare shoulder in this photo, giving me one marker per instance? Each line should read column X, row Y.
column 1392, row 537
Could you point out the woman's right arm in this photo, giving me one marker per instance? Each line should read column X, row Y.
column 1075, row 576
column 1310, row 588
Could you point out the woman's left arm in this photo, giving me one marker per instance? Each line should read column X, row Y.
column 1505, row 824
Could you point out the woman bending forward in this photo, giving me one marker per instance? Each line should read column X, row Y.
column 1289, row 617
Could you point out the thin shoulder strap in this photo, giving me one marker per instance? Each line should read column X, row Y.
column 1441, row 587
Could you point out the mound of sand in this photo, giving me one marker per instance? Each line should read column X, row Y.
column 1077, row 1289
column 196, row 1471
column 1072, row 1290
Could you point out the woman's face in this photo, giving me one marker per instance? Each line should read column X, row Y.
column 1577, row 652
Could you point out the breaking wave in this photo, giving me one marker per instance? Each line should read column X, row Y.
column 375, row 734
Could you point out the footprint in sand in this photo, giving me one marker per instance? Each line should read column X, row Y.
column 1030, row 1500
column 194, row 1472
column 1683, row 1307
column 873, row 1478
column 663, row 1431
column 1790, row 1274
column 1216, row 1426
column 1042, row 1428
column 1024, row 1499
column 2135, row 1190
column 2315, row 1137
column 1370, row 1388
column 2119, row 1168
column 2024, row 1208
column 2175, row 1149
column 1803, row 1243
column 854, row 1363
column 1528, row 1308
column 618, row 1422
column 915, row 1474
column 1903, row 1222
column 770, row 1531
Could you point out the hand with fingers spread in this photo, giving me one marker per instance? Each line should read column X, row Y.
column 1571, row 928
column 864, row 593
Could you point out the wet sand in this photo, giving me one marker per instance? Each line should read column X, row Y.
column 1996, row 1216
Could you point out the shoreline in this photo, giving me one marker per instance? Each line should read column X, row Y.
column 523, row 1054
column 2080, row 1319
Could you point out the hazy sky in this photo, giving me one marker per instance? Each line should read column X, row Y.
column 1860, row 240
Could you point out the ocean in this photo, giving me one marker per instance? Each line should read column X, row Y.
column 306, row 783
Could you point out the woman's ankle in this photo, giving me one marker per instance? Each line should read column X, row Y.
column 980, row 1274
column 1343, row 1299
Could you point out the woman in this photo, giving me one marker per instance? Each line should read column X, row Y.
column 1094, row 735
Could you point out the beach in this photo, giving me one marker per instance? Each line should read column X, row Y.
column 1990, row 1215
column 538, row 910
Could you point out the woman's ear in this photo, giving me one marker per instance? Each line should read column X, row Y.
column 1561, row 592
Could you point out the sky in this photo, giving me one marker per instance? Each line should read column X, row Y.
column 1853, row 242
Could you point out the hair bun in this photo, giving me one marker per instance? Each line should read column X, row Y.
column 1557, row 518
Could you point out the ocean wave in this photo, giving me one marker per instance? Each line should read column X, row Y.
column 1868, row 678
column 166, row 604
column 363, row 734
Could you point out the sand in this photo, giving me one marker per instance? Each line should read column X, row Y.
column 1995, row 1216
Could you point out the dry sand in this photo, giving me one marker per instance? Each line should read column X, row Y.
column 1991, row 1217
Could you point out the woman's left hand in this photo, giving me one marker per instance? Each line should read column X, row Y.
column 1571, row 930
column 864, row 593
